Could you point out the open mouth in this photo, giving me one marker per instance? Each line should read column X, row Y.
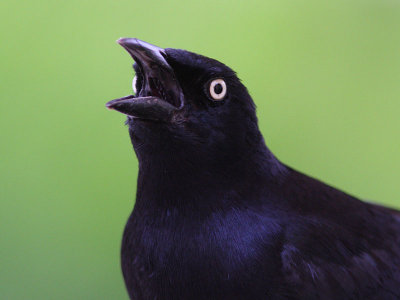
column 158, row 93
column 153, row 86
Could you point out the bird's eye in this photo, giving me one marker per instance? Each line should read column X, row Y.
column 218, row 89
column 134, row 81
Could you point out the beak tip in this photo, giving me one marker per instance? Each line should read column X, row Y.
column 124, row 41
column 109, row 106
column 121, row 40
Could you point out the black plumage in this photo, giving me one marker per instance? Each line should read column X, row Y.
column 217, row 216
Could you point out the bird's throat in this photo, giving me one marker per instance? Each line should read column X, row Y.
column 190, row 177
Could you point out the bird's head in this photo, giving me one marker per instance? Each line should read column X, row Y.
column 185, row 102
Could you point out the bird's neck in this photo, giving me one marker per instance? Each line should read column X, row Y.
column 188, row 175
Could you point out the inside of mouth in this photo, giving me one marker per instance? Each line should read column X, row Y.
column 153, row 86
column 139, row 78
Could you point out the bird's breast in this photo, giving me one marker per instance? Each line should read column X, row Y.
column 188, row 256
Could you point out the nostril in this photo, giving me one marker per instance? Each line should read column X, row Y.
column 163, row 54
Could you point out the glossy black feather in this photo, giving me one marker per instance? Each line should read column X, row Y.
column 217, row 216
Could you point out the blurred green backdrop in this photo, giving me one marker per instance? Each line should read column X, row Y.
column 325, row 76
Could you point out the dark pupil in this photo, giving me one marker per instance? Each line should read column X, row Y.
column 218, row 88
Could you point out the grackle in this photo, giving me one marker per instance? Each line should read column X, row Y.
column 218, row 216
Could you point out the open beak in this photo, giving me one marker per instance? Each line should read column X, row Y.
column 159, row 95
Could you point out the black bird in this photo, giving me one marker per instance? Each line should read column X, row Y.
column 218, row 216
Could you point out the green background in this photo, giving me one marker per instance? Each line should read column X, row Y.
column 324, row 75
